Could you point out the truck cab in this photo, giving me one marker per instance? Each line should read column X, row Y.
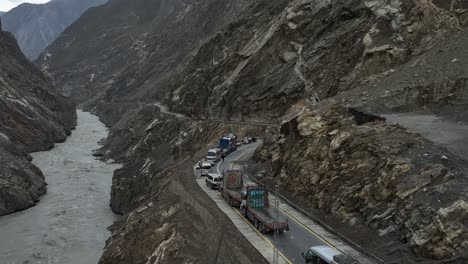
column 228, row 144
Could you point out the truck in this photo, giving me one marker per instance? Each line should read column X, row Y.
column 228, row 144
column 258, row 210
column 252, row 201
column 232, row 188
column 213, row 156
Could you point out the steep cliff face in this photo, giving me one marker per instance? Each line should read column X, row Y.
column 35, row 26
column 33, row 116
column 364, row 170
column 283, row 51
column 142, row 48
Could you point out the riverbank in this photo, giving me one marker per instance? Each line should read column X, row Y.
column 69, row 224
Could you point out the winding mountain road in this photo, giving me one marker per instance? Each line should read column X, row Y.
column 303, row 232
column 164, row 110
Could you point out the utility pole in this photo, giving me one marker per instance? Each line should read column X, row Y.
column 276, row 227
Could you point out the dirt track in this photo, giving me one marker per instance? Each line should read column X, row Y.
column 446, row 133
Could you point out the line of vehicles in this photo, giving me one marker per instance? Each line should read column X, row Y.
column 253, row 201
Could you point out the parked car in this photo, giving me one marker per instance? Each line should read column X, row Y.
column 214, row 180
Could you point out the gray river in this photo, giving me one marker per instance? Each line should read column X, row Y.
column 69, row 224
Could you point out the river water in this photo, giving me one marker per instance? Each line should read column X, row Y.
column 69, row 224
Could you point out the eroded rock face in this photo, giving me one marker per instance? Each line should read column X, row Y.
column 35, row 26
column 378, row 174
column 21, row 183
column 284, row 51
column 445, row 234
column 33, row 116
column 143, row 49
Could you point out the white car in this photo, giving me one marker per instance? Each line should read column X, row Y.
column 326, row 255
column 205, row 168
column 214, row 180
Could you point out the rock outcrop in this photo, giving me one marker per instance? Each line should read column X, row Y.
column 33, row 116
column 361, row 169
column 35, row 26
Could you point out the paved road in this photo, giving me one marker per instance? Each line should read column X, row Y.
column 299, row 238
column 449, row 134
column 164, row 110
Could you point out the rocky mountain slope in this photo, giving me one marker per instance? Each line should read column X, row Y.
column 1, row 13
column 35, row 26
column 33, row 116
column 330, row 61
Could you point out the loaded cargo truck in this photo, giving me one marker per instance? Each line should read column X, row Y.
column 257, row 208
column 228, row 144
column 233, row 186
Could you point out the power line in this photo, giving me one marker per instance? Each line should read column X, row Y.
column 276, row 226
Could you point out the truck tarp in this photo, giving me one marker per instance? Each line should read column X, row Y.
column 224, row 143
column 233, row 180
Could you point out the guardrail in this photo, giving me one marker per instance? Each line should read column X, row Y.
column 321, row 223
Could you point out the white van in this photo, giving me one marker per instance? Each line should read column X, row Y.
column 213, row 156
column 320, row 255
column 205, row 168
column 214, row 180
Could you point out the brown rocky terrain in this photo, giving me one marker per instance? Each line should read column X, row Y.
column 338, row 64
column 33, row 116
column 366, row 172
